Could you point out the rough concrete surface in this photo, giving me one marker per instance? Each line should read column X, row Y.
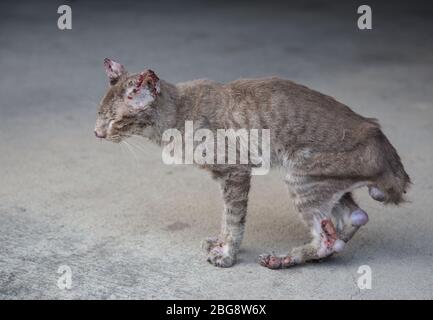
column 129, row 226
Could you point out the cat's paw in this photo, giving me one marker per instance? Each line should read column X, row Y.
column 218, row 253
column 209, row 243
column 274, row 262
column 219, row 257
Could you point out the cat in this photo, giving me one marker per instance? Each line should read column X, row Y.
column 325, row 149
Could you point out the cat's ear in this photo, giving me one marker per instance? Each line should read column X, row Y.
column 143, row 91
column 152, row 81
column 114, row 70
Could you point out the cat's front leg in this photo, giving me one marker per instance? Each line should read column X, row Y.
column 235, row 185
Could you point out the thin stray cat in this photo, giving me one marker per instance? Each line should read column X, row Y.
column 325, row 149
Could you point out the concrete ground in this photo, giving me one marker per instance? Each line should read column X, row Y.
column 129, row 226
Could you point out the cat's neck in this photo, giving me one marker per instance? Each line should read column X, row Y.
column 166, row 112
column 176, row 104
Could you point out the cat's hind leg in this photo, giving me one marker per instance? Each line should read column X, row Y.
column 324, row 243
column 332, row 222
column 222, row 250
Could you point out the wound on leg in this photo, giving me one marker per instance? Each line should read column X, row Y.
column 329, row 233
column 330, row 239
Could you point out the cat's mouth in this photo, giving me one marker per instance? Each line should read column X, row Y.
column 117, row 138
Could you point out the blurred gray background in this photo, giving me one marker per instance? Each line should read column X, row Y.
column 129, row 226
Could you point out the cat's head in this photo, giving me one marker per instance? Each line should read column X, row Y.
column 127, row 107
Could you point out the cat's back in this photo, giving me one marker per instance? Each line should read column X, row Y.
column 199, row 86
column 273, row 102
column 294, row 111
column 287, row 92
column 285, row 98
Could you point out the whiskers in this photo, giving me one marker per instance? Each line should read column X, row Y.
column 131, row 150
column 134, row 148
column 137, row 141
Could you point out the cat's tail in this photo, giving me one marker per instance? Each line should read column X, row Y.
column 393, row 183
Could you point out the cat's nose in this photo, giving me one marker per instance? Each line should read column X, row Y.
column 100, row 134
